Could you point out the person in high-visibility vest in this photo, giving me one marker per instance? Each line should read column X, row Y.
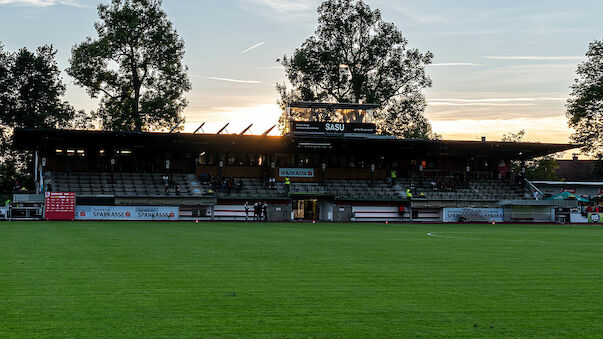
column 394, row 176
column 287, row 183
column 7, row 202
column 408, row 194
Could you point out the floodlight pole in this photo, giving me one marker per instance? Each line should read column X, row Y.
column 173, row 129
column 246, row 129
column 199, row 128
column 223, row 128
column 268, row 131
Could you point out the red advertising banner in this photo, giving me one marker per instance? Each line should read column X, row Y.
column 59, row 206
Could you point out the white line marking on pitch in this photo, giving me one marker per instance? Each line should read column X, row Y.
column 480, row 239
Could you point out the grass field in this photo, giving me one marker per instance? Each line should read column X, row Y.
column 116, row 279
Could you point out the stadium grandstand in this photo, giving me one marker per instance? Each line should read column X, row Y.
column 339, row 170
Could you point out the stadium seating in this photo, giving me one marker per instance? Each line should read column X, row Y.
column 125, row 184
column 253, row 188
column 152, row 185
column 480, row 190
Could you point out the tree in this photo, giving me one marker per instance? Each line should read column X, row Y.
column 31, row 92
column 134, row 66
column 543, row 168
column 355, row 56
column 585, row 105
column 514, row 137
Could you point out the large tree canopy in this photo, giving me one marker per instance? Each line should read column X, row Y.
column 31, row 90
column 134, row 66
column 585, row 106
column 31, row 94
column 355, row 56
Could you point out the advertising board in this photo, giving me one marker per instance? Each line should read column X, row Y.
column 59, row 206
column 162, row 213
column 296, row 172
column 473, row 214
column 316, row 127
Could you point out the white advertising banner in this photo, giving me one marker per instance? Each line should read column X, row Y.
column 296, row 172
column 126, row 213
column 473, row 214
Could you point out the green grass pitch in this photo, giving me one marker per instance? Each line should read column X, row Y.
column 118, row 279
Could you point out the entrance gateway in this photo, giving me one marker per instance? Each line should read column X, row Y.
column 319, row 208
column 305, row 209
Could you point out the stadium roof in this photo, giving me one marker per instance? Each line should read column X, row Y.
column 32, row 139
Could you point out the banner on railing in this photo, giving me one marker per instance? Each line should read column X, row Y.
column 296, row 172
column 473, row 214
column 162, row 213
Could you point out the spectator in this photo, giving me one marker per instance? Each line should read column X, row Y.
column 49, row 186
column 167, row 188
column 246, row 210
column 256, row 211
column 287, row 184
column 272, row 183
column 177, row 189
column 265, row 211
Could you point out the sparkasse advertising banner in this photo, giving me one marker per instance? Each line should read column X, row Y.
column 472, row 214
column 296, row 172
column 126, row 213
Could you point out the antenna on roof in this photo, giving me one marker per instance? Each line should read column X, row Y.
column 268, row 131
column 223, row 128
column 200, row 128
column 246, row 129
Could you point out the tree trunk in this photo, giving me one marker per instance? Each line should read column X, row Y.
column 135, row 105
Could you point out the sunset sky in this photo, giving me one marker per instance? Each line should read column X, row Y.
column 499, row 66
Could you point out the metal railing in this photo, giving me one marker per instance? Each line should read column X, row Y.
column 529, row 187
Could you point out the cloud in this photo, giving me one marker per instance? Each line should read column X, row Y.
column 548, row 58
column 477, row 104
column 491, row 101
column 229, row 80
column 252, row 47
column 453, row 64
column 42, row 3
column 286, row 6
column 502, row 99
column 543, row 129
column 270, row 67
column 296, row 12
